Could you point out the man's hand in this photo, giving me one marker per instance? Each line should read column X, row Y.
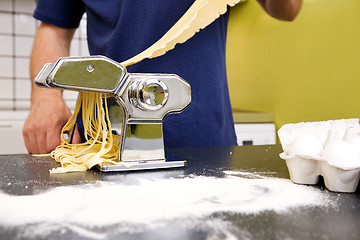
column 48, row 115
column 48, row 112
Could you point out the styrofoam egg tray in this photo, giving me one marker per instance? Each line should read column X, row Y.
column 328, row 148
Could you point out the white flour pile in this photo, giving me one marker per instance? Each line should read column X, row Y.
column 152, row 203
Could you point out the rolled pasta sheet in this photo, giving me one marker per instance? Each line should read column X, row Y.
column 197, row 17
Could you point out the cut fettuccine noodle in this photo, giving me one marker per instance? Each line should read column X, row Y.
column 101, row 145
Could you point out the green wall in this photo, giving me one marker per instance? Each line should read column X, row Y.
column 306, row 70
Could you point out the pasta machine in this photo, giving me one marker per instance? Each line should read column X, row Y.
column 140, row 102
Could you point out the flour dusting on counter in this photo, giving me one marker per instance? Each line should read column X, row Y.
column 151, row 203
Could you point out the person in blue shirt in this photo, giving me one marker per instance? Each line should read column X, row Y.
column 120, row 29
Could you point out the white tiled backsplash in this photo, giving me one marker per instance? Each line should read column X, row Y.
column 17, row 30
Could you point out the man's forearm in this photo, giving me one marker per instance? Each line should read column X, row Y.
column 282, row 9
column 48, row 112
column 50, row 43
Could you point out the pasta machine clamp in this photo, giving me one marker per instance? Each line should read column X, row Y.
column 139, row 104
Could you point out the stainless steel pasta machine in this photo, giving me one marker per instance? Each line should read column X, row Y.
column 141, row 101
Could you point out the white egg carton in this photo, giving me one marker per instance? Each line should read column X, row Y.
column 328, row 148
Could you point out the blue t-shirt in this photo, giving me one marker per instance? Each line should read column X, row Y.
column 120, row 29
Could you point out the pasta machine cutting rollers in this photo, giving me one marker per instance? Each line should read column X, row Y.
column 140, row 102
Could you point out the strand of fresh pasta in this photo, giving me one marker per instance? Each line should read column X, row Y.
column 101, row 145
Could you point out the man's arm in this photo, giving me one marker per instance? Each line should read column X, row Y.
column 48, row 112
column 282, row 9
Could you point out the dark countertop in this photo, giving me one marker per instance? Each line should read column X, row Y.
column 22, row 175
